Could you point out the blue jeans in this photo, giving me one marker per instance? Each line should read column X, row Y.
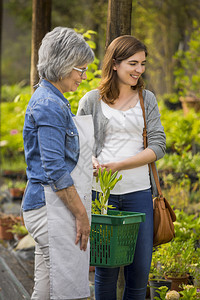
column 135, row 274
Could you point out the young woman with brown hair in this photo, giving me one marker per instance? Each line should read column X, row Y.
column 118, row 124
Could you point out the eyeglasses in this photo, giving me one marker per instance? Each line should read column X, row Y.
column 80, row 70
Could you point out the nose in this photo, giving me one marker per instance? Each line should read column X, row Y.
column 84, row 76
column 140, row 68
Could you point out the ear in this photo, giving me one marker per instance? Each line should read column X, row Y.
column 114, row 65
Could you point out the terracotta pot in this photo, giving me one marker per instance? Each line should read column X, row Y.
column 177, row 281
column 190, row 102
column 16, row 193
column 6, row 223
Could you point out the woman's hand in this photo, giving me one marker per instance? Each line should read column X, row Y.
column 96, row 166
column 71, row 199
column 113, row 166
column 82, row 231
column 142, row 158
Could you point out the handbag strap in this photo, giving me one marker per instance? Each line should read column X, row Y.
column 153, row 166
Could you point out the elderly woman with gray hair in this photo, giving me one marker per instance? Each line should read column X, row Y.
column 58, row 147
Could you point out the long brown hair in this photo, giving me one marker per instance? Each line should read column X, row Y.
column 120, row 49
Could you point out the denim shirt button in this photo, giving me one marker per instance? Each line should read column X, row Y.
column 72, row 132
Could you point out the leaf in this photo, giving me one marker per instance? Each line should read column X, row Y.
column 107, row 183
column 113, row 176
column 109, row 176
column 107, row 194
column 113, row 183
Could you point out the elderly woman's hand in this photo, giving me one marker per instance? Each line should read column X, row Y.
column 72, row 200
column 82, row 231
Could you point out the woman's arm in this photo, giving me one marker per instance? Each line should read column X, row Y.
column 73, row 202
column 155, row 132
column 143, row 158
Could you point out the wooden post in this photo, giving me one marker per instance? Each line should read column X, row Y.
column 119, row 19
column 41, row 24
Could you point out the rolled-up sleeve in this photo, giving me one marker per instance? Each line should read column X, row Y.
column 155, row 131
column 51, row 120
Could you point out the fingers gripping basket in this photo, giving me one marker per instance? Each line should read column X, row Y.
column 113, row 238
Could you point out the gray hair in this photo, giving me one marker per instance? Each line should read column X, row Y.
column 60, row 51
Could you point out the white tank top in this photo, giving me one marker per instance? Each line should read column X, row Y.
column 123, row 139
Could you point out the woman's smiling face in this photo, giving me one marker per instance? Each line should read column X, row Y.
column 71, row 82
column 130, row 69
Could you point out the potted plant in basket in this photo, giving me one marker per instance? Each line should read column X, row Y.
column 113, row 233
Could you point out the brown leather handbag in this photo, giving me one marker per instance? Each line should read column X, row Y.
column 163, row 214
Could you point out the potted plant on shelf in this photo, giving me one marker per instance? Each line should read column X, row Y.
column 157, row 277
column 113, row 235
column 6, row 224
column 18, row 230
column 195, row 268
column 176, row 261
column 17, row 189
column 187, row 74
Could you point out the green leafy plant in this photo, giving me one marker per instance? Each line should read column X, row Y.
column 107, row 183
column 175, row 258
column 9, row 92
column 19, row 229
column 162, row 293
column 187, row 73
column 187, row 227
column 189, row 293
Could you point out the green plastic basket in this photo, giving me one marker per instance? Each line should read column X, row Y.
column 113, row 238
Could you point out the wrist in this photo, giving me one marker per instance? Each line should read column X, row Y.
column 81, row 214
column 119, row 166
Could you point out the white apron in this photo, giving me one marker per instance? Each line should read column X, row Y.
column 69, row 266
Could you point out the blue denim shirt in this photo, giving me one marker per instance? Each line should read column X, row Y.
column 51, row 144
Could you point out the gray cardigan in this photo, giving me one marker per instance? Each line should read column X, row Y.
column 90, row 105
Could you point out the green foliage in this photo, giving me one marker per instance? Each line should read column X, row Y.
column 189, row 293
column 12, row 120
column 181, row 255
column 19, row 229
column 107, row 183
column 9, row 92
column 187, row 73
column 181, row 131
column 175, row 257
column 187, row 226
column 180, row 167
column 162, row 293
